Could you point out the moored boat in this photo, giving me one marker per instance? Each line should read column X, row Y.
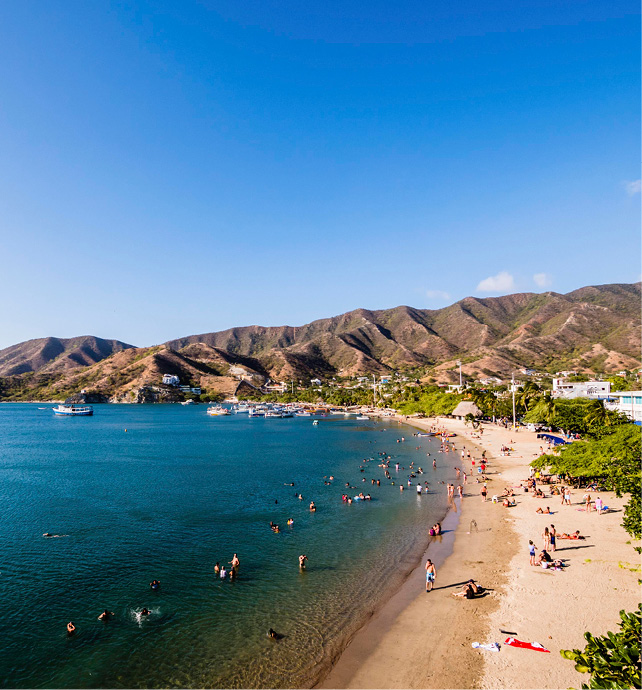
column 217, row 411
column 73, row 410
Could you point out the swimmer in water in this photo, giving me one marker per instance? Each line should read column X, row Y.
column 155, row 584
column 290, row 521
column 144, row 612
column 105, row 615
column 302, row 561
column 71, row 628
column 217, row 568
column 235, row 562
column 273, row 634
column 312, row 507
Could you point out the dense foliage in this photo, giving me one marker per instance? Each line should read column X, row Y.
column 613, row 660
column 614, row 459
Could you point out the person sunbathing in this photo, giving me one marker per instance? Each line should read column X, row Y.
column 575, row 535
column 544, row 512
column 469, row 591
column 508, row 503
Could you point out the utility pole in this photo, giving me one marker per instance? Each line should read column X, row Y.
column 374, row 390
column 459, row 362
column 513, row 389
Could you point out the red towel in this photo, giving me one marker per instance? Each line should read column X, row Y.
column 512, row 642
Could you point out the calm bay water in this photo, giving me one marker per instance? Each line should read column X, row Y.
column 168, row 498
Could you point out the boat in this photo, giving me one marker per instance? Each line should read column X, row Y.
column 187, row 402
column 240, row 409
column 74, row 410
column 217, row 411
column 302, row 414
column 430, row 434
column 256, row 412
column 273, row 413
column 362, row 416
column 315, row 422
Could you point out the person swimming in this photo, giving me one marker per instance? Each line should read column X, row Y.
column 105, row 615
column 155, row 584
column 71, row 628
column 145, row 612
column 302, row 561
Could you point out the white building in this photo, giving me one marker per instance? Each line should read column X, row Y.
column 596, row 390
column 315, row 382
column 171, row 380
column 628, row 403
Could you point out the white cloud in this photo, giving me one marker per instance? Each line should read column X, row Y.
column 543, row 279
column 437, row 294
column 633, row 187
column 502, row 282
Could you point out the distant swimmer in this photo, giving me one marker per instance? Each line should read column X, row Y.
column 288, row 484
column 71, row 628
column 217, row 568
column 144, row 612
column 312, row 507
column 48, row 535
column 273, row 634
column 106, row 615
column 290, row 522
column 302, row 561
column 235, row 562
column 223, row 573
column 155, row 584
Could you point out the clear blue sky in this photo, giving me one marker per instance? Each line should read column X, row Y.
column 169, row 168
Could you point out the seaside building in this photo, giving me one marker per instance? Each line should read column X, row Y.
column 171, row 380
column 189, row 389
column 628, row 403
column 466, row 407
column 595, row 390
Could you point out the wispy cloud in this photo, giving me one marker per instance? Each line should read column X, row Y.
column 502, row 282
column 543, row 279
column 633, row 187
column 437, row 294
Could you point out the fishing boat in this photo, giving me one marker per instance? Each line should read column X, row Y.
column 217, row 411
column 302, row 414
column 73, row 410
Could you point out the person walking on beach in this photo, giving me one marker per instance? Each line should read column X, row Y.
column 431, row 573
column 531, row 552
column 567, row 495
column 546, row 537
column 484, row 492
column 598, row 505
column 553, row 534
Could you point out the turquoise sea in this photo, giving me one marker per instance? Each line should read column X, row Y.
column 145, row 492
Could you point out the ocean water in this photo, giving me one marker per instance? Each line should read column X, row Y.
column 145, row 492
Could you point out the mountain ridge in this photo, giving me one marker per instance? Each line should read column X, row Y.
column 594, row 328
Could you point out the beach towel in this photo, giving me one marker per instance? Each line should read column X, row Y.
column 492, row 647
column 536, row 646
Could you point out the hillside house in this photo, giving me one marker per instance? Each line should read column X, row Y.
column 595, row 390
column 171, row 380
column 628, row 403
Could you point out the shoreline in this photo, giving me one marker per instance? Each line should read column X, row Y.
column 376, row 657
column 427, row 644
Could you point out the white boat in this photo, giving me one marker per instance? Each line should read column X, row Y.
column 302, row 414
column 315, row 422
column 74, row 411
column 217, row 411
column 241, row 409
column 255, row 412
column 362, row 416
column 187, row 402
column 273, row 414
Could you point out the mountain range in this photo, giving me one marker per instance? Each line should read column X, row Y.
column 593, row 329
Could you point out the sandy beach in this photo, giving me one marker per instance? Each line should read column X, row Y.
column 420, row 640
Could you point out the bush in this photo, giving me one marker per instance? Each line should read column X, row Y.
column 613, row 660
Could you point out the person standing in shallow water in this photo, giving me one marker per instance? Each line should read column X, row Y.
column 431, row 573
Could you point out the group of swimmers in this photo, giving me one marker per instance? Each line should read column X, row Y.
column 107, row 615
column 222, row 572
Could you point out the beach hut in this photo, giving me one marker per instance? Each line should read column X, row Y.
column 466, row 407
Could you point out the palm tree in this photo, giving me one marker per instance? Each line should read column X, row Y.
column 549, row 407
column 597, row 414
column 528, row 392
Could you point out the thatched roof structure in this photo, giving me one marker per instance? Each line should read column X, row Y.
column 467, row 407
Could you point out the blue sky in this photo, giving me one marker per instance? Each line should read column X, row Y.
column 170, row 168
